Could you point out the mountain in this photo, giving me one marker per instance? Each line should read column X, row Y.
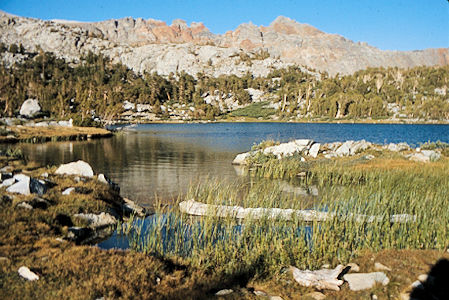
column 153, row 46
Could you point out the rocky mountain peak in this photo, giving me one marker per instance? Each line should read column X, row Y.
column 153, row 46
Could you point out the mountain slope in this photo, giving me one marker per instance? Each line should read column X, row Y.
column 154, row 46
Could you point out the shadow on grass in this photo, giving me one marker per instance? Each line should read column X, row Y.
column 436, row 287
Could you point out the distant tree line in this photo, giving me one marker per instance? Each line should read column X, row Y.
column 96, row 87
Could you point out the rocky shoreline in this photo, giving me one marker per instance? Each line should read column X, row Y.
column 49, row 216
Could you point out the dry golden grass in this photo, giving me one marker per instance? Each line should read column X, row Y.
column 53, row 133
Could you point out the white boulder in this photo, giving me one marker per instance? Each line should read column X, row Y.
column 22, row 186
column 321, row 279
column 345, row 149
column 364, row 281
column 30, row 108
column 313, row 151
column 241, row 158
column 80, row 168
column 26, row 273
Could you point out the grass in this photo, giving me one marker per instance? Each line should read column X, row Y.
column 263, row 248
column 177, row 256
column 29, row 134
column 255, row 110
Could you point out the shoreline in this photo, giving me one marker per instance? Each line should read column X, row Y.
column 32, row 238
column 251, row 120
column 29, row 134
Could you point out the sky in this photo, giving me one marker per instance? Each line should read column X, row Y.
column 386, row 24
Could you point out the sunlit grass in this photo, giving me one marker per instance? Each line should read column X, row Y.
column 264, row 246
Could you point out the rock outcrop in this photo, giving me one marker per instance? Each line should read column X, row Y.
column 154, row 46
column 30, row 108
column 80, row 168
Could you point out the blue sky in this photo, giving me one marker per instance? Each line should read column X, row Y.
column 386, row 24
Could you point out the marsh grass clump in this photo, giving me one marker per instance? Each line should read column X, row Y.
column 263, row 246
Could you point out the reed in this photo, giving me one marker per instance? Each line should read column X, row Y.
column 265, row 246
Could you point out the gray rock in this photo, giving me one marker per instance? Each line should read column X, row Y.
column 30, row 108
column 131, row 208
column 224, row 292
column 97, row 221
column 24, row 205
column 8, row 182
column 260, row 293
column 354, row 267
column 22, row 186
column 26, row 273
column 363, row 281
column 344, row 149
column 241, row 158
column 68, row 191
column 380, row 267
column 398, row 147
column 38, row 186
column 106, row 180
column 431, row 154
column 79, row 168
column 424, row 156
column 68, row 123
column 288, row 149
column 423, row 277
column 359, row 146
column 314, row 149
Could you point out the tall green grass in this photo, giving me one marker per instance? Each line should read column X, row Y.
column 264, row 246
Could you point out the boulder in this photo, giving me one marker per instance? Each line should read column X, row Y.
column 320, row 279
column 128, row 105
column 8, row 182
column 224, row 292
column 26, row 273
column 131, row 208
column 106, row 180
column 30, row 108
column 364, row 281
column 97, row 221
column 288, row 149
column 424, row 156
column 359, row 146
column 241, row 158
column 431, row 154
column 24, row 205
column 80, row 168
column 22, row 186
column 313, row 151
column 344, row 149
column 68, row 123
column 354, row 267
column 38, row 186
column 397, row 147
column 380, row 267
column 68, row 191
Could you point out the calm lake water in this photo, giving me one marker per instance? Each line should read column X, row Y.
column 164, row 159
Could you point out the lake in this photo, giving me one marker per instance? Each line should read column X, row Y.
column 162, row 160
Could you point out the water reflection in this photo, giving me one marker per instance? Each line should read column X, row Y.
column 164, row 159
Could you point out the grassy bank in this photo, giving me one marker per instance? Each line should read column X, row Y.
column 176, row 256
column 262, row 249
column 28, row 134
